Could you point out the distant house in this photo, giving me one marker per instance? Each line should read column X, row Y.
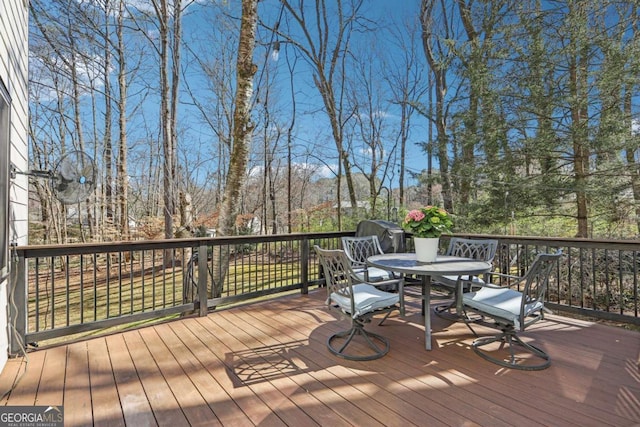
column 14, row 50
column 361, row 207
column 360, row 204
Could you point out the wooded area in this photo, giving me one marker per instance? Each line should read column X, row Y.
column 519, row 117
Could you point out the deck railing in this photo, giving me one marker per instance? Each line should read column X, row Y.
column 595, row 278
column 61, row 290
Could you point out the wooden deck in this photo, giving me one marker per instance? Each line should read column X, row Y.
column 266, row 364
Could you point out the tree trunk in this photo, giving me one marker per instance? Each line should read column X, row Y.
column 165, row 122
column 173, row 98
column 579, row 116
column 242, row 133
column 475, row 94
column 242, row 126
column 108, row 141
column 440, row 87
column 122, row 180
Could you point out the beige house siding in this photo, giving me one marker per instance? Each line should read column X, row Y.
column 13, row 73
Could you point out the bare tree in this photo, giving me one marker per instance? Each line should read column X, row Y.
column 167, row 105
column 325, row 45
column 168, row 19
column 70, row 49
column 242, row 125
column 270, row 132
column 367, row 143
column 439, row 58
column 242, row 134
column 404, row 75
column 291, row 65
column 213, row 55
column 122, row 164
column 108, row 204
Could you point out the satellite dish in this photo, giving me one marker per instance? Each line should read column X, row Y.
column 73, row 179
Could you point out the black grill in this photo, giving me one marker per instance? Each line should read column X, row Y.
column 390, row 235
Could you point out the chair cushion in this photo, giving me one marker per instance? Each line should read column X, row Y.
column 367, row 298
column 375, row 274
column 503, row 303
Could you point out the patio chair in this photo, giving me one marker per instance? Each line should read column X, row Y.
column 357, row 250
column 478, row 249
column 360, row 302
column 511, row 312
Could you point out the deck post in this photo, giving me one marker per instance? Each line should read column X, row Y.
column 304, row 267
column 203, row 275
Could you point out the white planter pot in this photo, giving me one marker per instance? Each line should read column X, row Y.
column 426, row 248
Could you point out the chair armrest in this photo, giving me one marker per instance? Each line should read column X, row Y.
column 386, row 282
column 356, row 264
column 377, row 283
column 512, row 280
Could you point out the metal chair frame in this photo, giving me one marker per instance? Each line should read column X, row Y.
column 358, row 249
column 507, row 318
column 339, row 279
column 479, row 249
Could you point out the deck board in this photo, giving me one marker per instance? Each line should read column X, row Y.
column 267, row 364
column 252, row 364
column 105, row 402
column 210, row 374
column 374, row 391
column 27, row 380
column 256, row 409
column 164, row 405
column 136, row 409
column 77, row 385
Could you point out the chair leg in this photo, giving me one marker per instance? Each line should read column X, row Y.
column 401, row 294
column 511, row 339
column 357, row 329
column 388, row 313
column 444, row 311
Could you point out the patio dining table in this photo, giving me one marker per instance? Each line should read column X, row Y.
column 407, row 263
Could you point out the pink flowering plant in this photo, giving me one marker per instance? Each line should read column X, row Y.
column 429, row 221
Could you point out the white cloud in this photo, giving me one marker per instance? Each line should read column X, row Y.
column 327, row 171
column 308, row 169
